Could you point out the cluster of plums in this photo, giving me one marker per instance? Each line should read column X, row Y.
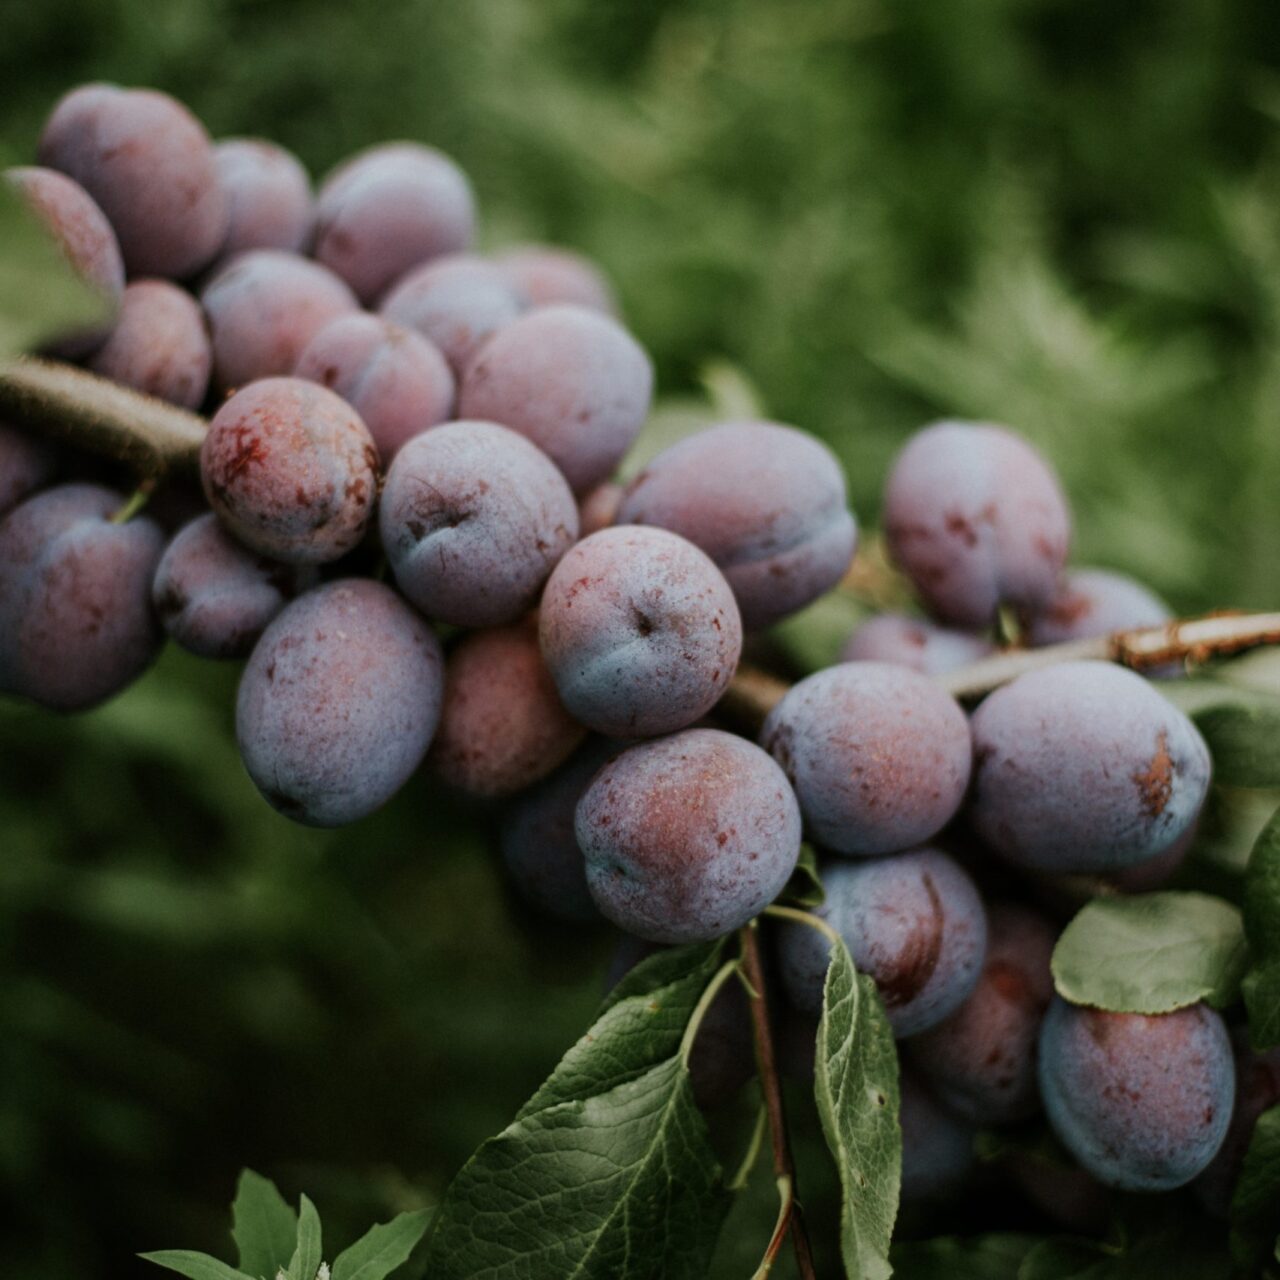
column 407, row 435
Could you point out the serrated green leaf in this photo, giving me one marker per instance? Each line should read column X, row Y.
column 41, row 296
column 1255, row 1204
column 307, row 1254
column 622, row 1185
column 1261, row 987
column 263, row 1226
column 992, row 1257
column 1151, row 953
column 1244, row 740
column 640, row 1023
column 195, row 1266
column 855, row 1083
column 382, row 1248
column 804, row 889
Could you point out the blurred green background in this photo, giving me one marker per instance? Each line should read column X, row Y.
column 1063, row 214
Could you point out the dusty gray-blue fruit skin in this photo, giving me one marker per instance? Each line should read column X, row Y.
column 1143, row 1102
column 879, row 756
column 976, row 518
column 688, row 837
column 640, row 631
column 917, row 643
column 26, row 465
column 268, row 193
column 76, row 624
column 914, row 922
column 937, row 1148
column 1084, row 767
column 473, row 519
column 339, row 701
column 766, row 502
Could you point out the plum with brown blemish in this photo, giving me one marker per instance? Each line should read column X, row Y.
column 913, row 922
column 766, row 502
column 159, row 346
column 456, row 301
column 76, row 624
column 689, row 837
column 214, row 596
column 389, row 208
column 1142, row 1101
column 916, row 643
column 502, row 727
column 473, row 519
column 1084, row 767
column 879, row 756
column 976, row 518
column 394, row 378
column 263, row 307
column 268, row 192
column 339, row 701
column 640, row 630
column 149, row 164
column 539, row 845
column 573, row 381
column 547, row 275
column 291, row 471
column 981, row 1061
column 26, row 465
column 70, row 214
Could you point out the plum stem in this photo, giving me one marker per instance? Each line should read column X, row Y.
column 753, row 693
column 790, row 1217
column 99, row 416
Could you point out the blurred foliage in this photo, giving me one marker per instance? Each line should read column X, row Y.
column 1064, row 215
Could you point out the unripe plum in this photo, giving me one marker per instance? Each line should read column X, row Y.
column 502, row 727
column 1142, row 1101
column 688, row 837
column 976, row 518
column 640, row 631
column 1084, row 767
column 879, row 755
column 394, row 378
column 913, row 922
column 473, row 520
column 766, row 502
column 159, row 345
column 149, row 164
column 75, row 602
column 572, row 380
column 291, row 470
column 339, row 701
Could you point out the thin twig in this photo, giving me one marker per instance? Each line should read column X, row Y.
column 792, row 1220
column 753, row 693
column 100, row 416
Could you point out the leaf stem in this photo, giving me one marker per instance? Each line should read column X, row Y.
column 753, row 693
column 136, row 501
column 805, row 917
column 739, row 1179
column 718, row 979
column 786, row 1208
column 791, row 1219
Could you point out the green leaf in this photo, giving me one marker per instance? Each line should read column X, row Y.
column 1244, row 741
column 1187, row 1252
column 812, row 639
column 382, row 1248
column 1261, row 986
column 195, row 1266
column 855, row 1083
column 263, row 1226
column 640, row 1024
column 41, row 296
column 622, row 1185
column 992, row 1257
column 804, row 889
column 307, row 1254
column 1255, row 1205
column 1151, row 953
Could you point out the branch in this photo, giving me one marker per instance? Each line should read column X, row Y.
column 790, row 1216
column 753, row 693
column 100, row 416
